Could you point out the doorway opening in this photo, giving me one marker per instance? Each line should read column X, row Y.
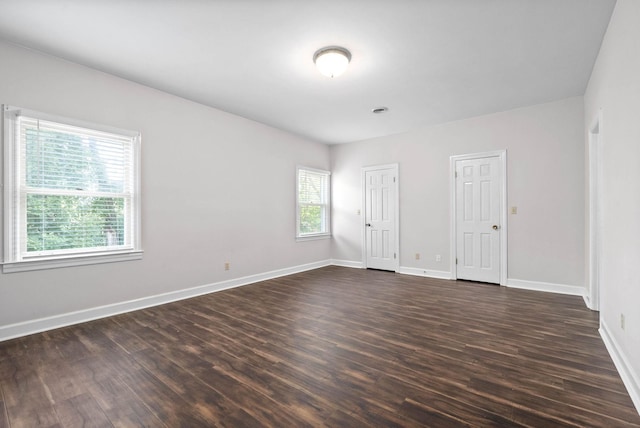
column 595, row 218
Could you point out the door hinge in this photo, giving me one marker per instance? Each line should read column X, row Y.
column 456, row 260
column 456, row 174
column 394, row 179
column 394, row 255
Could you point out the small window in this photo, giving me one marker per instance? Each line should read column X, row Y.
column 71, row 192
column 313, row 207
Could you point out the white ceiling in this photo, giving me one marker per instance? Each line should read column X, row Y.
column 428, row 61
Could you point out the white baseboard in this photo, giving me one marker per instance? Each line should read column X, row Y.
column 347, row 263
column 25, row 328
column 630, row 378
column 402, row 270
column 573, row 290
column 439, row 274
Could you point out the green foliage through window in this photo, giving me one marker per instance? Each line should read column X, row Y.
column 70, row 222
column 310, row 219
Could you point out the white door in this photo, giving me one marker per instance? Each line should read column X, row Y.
column 478, row 228
column 380, row 218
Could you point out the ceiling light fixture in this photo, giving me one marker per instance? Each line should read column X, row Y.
column 332, row 61
column 379, row 110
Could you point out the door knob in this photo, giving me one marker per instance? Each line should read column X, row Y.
column 368, row 224
column 495, row 227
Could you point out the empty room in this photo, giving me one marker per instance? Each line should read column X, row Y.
column 320, row 213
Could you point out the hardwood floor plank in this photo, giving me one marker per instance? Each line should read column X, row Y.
column 449, row 401
column 218, row 375
column 328, row 347
column 4, row 417
column 555, row 388
column 121, row 406
column 81, row 411
column 240, row 419
column 537, row 404
column 171, row 408
column 426, row 413
column 130, row 343
column 27, row 400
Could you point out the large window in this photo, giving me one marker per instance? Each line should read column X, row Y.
column 71, row 192
column 313, row 206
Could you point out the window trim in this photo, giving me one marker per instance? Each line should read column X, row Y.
column 313, row 236
column 14, row 262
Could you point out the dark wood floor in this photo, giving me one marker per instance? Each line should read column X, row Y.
column 332, row 347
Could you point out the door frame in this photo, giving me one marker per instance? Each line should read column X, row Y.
column 396, row 213
column 595, row 217
column 502, row 156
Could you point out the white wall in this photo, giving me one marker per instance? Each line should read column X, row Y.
column 614, row 87
column 545, row 165
column 215, row 188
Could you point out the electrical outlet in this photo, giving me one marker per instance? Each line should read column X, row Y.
column 227, row 265
column 622, row 321
column 417, row 256
column 514, row 210
column 358, row 212
column 438, row 258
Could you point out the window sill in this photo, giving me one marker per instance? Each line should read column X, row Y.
column 313, row 237
column 77, row 260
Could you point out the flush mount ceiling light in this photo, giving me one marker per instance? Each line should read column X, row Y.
column 332, row 61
